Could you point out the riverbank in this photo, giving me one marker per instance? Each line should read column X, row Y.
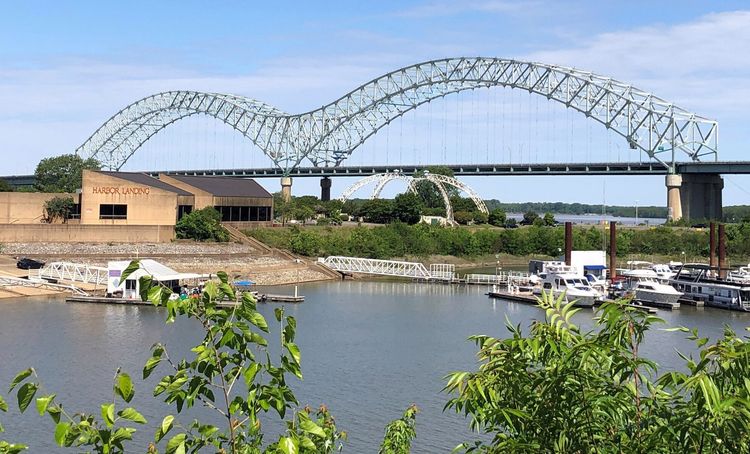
column 240, row 261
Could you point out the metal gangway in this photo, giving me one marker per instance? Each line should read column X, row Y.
column 501, row 278
column 74, row 272
column 395, row 268
column 13, row 281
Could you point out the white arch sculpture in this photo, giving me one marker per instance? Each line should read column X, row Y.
column 382, row 179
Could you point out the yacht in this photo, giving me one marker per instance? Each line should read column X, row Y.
column 646, row 287
column 563, row 279
column 740, row 275
column 698, row 282
column 663, row 271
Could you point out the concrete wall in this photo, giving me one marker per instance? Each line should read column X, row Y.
column 77, row 233
column 25, row 207
column 146, row 205
column 701, row 197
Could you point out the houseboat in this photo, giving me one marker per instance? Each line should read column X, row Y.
column 698, row 282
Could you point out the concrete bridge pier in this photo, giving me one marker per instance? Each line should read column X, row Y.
column 286, row 188
column 694, row 196
column 325, row 189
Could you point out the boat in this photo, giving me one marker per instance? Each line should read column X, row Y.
column 646, row 286
column 561, row 279
column 740, row 275
column 698, row 282
column 663, row 271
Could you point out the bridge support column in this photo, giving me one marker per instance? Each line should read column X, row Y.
column 674, row 202
column 325, row 189
column 700, row 195
column 286, row 188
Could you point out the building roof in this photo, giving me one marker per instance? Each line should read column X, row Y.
column 225, row 186
column 142, row 178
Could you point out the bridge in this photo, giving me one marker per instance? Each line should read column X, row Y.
column 319, row 141
column 74, row 272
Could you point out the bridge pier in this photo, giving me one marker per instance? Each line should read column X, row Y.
column 325, row 189
column 694, row 196
column 286, row 188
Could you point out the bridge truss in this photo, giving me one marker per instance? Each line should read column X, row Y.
column 440, row 181
column 74, row 272
column 327, row 136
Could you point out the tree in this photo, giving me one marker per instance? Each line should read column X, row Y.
column 407, row 208
column 549, row 219
column 62, row 173
column 427, row 190
column 562, row 389
column 529, row 217
column 379, row 211
column 5, row 186
column 511, row 223
column 463, row 217
column 202, row 225
column 58, row 207
column 497, row 217
column 479, row 217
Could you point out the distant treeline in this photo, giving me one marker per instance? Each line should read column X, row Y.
column 578, row 208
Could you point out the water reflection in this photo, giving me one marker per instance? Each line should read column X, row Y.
column 369, row 349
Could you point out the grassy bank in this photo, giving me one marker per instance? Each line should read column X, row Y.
column 476, row 244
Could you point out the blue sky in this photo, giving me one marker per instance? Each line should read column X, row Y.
column 66, row 67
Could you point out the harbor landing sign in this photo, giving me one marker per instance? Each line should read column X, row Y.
column 121, row 190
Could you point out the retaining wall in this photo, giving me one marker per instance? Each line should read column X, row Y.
column 77, row 233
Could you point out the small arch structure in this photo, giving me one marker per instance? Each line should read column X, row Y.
column 440, row 181
column 329, row 135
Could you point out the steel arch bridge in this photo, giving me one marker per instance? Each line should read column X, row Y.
column 440, row 181
column 327, row 136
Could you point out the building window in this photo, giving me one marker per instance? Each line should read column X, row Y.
column 75, row 213
column 244, row 214
column 107, row 211
column 182, row 210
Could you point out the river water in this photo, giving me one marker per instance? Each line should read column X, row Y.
column 369, row 349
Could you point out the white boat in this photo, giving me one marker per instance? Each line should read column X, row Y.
column 563, row 280
column 663, row 271
column 740, row 275
column 645, row 283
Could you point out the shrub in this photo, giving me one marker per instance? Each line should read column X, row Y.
column 202, row 225
column 58, row 207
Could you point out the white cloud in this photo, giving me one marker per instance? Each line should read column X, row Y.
column 701, row 65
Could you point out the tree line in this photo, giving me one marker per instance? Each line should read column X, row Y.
column 399, row 240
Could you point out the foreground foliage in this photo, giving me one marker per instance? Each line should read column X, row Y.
column 563, row 390
column 232, row 373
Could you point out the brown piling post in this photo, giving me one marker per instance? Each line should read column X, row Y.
column 612, row 249
column 722, row 252
column 712, row 245
column 568, row 243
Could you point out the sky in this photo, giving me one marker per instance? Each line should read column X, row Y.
column 66, row 67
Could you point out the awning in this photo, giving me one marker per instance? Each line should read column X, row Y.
column 594, row 267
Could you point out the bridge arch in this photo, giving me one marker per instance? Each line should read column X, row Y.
column 440, row 181
column 329, row 135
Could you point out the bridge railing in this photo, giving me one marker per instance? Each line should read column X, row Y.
column 74, row 272
column 376, row 266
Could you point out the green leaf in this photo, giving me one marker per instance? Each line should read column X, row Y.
column 21, row 376
column 54, row 413
column 108, row 414
column 132, row 415
column 294, row 350
column 25, row 395
column 150, row 366
column 131, row 268
column 250, row 372
column 176, row 444
column 124, row 387
column 43, row 402
column 222, row 275
column 3, row 404
column 166, row 425
column 123, row 433
column 278, row 312
column 258, row 320
column 310, row 427
column 12, row 448
column 287, row 445
column 61, row 433
column 154, row 295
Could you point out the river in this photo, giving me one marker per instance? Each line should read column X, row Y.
column 369, row 349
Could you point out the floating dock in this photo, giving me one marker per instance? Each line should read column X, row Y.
column 529, row 298
column 137, row 302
